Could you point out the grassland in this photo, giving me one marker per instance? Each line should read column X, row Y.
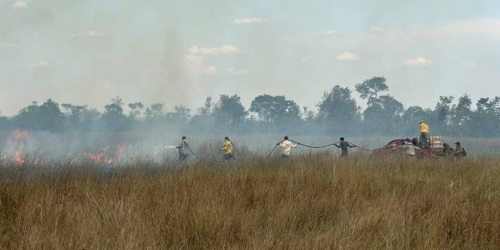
column 313, row 201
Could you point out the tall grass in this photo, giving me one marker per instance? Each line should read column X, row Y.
column 311, row 201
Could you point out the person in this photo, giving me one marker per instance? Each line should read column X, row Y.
column 183, row 150
column 409, row 147
column 447, row 150
column 287, row 147
column 228, row 150
column 424, row 134
column 344, row 146
column 459, row 151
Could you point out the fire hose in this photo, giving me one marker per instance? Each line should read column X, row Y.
column 277, row 144
column 236, row 150
column 309, row 146
column 273, row 149
column 361, row 147
column 192, row 152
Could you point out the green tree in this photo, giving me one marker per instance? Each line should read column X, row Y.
column 275, row 110
column 113, row 116
column 74, row 114
column 383, row 116
column 135, row 109
column 461, row 115
column 486, row 118
column 204, row 119
column 154, row 113
column 47, row 116
column 180, row 116
column 229, row 111
column 338, row 110
column 369, row 89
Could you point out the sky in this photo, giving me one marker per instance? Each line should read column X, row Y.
column 180, row 52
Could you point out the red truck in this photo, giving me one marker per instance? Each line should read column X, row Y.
column 400, row 146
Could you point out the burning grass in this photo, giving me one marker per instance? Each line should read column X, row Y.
column 311, row 201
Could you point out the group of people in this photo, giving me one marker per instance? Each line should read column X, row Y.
column 409, row 146
column 287, row 146
column 424, row 142
column 228, row 147
column 184, row 150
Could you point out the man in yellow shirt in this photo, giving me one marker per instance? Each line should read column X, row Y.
column 228, row 150
column 424, row 134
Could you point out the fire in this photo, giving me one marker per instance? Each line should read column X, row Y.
column 19, row 134
column 19, row 137
column 18, row 158
column 118, row 152
column 102, row 156
column 97, row 158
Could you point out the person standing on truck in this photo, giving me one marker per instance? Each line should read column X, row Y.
column 287, row 147
column 343, row 145
column 228, row 150
column 424, row 134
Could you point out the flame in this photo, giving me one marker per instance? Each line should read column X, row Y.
column 19, row 134
column 18, row 158
column 118, row 152
column 20, row 137
column 102, row 155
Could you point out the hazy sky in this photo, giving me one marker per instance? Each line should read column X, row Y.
column 89, row 51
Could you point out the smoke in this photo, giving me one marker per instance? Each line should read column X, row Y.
column 90, row 51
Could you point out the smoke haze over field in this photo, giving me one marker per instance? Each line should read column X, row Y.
column 171, row 52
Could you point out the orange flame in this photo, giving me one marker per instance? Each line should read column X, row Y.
column 18, row 158
column 20, row 137
column 118, row 152
column 102, row 156
column 19, row 134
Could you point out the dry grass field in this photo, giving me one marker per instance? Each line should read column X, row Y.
column 313, row 201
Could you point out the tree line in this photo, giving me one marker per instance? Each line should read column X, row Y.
column 337, row 113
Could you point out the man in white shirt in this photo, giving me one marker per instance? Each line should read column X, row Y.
column 287, row 147
column 409, row 147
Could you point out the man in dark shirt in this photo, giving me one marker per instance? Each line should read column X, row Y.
column 459, row 152
column 344, row 146
column 183, row 150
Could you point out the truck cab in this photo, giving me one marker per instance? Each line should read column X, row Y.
column 394, row 147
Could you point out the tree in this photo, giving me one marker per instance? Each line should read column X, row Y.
column 308, row 114
column 180, row 116
column 383, row 116
column 113, row 116
column 207, row 108
column 229, row 111
column 413, row 115
column 204, row 119
column 275, row 109
column 443, row 109
column 461, row 115
column 370, row 88
column 89, row 119
column 135, row 109
column 338, row 110
column 154, row 112
column 47, row 116
column 74, row 114
column 486, row 118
